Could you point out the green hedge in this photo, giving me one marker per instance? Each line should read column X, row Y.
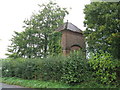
column 71, row 69
column 76, row 69
column 101, row 68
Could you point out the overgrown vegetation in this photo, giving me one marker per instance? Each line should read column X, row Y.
column 73, row 70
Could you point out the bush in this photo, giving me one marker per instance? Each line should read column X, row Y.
column 7, row 68
column 70, row 69
column 75, row 68
column 43, row 69
column 104, row 67
column 22, row 68
column 52, row 68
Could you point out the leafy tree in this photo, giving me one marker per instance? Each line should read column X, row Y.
column 39, row 38
column 114, row 40
column 102, row 21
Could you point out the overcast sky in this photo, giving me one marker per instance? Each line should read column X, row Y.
column 14, row 12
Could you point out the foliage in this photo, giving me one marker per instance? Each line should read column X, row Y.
column 30, row 68
column 102, row 21
column 23, row 68
column 94, row 84
column 105, row 68
column 115, row 44
column 71, row 69
column 52, row 68
column 76, row 68
column 39, row 38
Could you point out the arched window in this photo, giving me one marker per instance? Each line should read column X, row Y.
column 75, row 47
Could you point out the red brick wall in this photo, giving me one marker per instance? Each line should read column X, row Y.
column 70, row 38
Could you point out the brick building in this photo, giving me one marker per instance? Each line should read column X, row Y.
column 72, row 38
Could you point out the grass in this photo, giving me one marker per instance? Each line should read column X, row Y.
column 49, row 84
column 33, row 83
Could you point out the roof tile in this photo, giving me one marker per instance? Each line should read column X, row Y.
column 69, row 26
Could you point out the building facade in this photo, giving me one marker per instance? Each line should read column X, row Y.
column 72, row 38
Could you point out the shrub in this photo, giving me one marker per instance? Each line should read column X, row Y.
column 22, row 68
column 51, row 68
column 75, row 68
column 70, row 69
column 101, row 67
column 104, row 67
column 45, row 69
column 7, row 68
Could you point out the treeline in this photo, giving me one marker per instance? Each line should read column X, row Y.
column 39, row 38
column 102, row 21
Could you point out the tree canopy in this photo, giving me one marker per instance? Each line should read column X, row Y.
column 102, row 21
column 39, row 38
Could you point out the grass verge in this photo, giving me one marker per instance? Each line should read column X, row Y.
column 49, row 84
column 33, row 83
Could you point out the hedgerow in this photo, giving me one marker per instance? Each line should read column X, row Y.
column 72, row 69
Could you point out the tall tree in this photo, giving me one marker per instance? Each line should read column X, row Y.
column 102, row 21
column 39, row 38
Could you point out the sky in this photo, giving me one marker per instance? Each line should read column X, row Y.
column 14, row 12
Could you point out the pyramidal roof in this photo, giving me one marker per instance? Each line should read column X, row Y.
column 69, row 26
